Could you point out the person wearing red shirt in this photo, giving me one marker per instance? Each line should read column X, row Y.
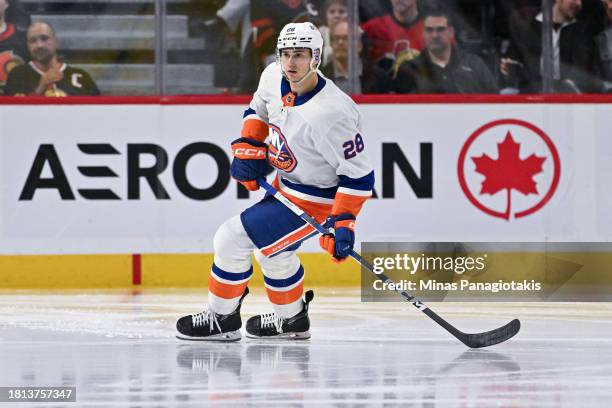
column 397, row 35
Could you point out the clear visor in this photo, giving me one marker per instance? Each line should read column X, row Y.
column 315, row 55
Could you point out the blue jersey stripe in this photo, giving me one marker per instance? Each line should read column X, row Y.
column 302, row 99
column 365, row 183
column 329, row 192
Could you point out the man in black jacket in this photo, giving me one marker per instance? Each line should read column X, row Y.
column 573, row 51
column 46, row 74
column 443, row 67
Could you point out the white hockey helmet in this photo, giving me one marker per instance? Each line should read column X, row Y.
column 302, row 35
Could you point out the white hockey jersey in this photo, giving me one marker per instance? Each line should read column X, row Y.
column 315, row 143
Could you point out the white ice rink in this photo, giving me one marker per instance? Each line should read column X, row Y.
column 118, row 349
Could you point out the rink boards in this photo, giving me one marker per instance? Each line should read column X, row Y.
column 116, row 195
column 152, row 270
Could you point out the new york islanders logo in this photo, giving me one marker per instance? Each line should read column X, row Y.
column 279, row 153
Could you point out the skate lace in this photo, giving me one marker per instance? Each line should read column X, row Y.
column 271, row 319
column 203, row 318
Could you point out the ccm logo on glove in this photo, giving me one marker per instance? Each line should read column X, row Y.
column 244, row 151
column 250, row 162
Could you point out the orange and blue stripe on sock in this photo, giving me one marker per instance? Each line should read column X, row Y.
column 226, row 284
column 285, row 291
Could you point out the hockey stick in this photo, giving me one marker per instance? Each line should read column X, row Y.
column 472, row 340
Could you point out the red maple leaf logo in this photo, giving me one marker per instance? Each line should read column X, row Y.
column 508, row 172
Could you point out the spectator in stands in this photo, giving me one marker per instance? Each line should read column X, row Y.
column 443, row 67
column 45, row 74
column 267, row 19
column 472, row 23
column 13, row 51
column 573, row 51
column 604, row 49
column 333, row 12
column 396, row 36
column 372, row 79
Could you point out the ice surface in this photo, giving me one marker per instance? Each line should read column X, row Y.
column 118, row 349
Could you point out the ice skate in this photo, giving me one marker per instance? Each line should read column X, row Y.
column 271, row 326
column 210, row 326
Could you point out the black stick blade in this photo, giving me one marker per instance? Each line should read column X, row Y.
column 499, row 335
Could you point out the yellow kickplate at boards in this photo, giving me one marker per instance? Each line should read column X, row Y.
column 65, row 271
column 193, row 270
column 151, row 270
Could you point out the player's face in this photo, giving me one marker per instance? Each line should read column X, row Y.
column 295, row 62
column 437, row 33
column 41, row 43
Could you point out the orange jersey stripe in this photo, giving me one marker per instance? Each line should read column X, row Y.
column 296, row 236
column 318, row 211
column 284, row 298
column 254, row 129
column 225, row 291
column 346, row 203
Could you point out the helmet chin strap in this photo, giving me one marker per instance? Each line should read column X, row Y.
column 299, row 81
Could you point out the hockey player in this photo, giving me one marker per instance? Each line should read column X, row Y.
column 313, row 134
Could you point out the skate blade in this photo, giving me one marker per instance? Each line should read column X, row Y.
column 283, row 336
column 229, row 336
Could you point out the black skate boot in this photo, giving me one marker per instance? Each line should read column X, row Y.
column 209, row 326
column 270, row 326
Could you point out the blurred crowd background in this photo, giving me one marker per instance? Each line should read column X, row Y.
column 148, row 47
